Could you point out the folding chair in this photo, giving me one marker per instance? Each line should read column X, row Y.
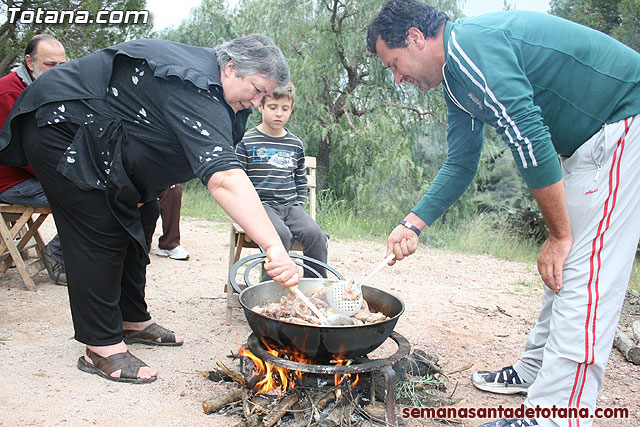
column 17, row 229
column 238, row 238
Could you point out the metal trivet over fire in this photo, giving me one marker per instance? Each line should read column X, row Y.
column 359, row 365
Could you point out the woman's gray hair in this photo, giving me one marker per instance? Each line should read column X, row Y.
column 254, row 54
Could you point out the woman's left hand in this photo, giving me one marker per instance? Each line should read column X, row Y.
column 281, row 267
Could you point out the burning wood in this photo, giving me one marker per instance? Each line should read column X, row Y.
column 341, row 412
column 217, row 403
column 279, row 396
column 233, row 375
column 263, row 377
column 280, row 410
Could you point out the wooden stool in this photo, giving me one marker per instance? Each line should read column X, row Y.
column 17, row 228
column 238, row 238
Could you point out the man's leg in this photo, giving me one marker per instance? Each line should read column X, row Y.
column 26, row 193
column 170, row 203
column 518, row 378
column 312, row 237
column 606, row 228
column 31, row 193
column 169, row 243
column 531, row 360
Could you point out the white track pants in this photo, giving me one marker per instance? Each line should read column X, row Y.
column 567, row 350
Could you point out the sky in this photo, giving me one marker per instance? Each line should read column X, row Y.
column 165, row 12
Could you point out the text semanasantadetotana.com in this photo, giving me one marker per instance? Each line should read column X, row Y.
column 44, row 16
column 517, row 412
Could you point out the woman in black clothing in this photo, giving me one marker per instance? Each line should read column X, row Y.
column 106, row 134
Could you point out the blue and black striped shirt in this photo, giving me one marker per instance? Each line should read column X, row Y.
column 275, row 166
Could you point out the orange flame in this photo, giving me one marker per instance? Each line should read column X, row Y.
column 338, row 379
column 275, row 378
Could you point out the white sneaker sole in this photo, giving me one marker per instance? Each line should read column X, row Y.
column 166, row 254
column 498, row 388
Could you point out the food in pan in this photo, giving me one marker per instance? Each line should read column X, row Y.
column 292, row 310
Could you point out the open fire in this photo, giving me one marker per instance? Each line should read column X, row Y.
column 269, row 379
column 286, row 388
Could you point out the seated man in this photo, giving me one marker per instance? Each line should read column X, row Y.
column 18, row 185
column 273, row 158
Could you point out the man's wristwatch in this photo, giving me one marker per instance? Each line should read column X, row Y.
column 411, row 227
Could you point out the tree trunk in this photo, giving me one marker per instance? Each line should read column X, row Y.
column 324, row 151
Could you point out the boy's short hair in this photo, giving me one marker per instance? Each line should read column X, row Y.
column 285, row 91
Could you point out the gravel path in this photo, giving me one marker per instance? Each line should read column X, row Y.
column 467, row 310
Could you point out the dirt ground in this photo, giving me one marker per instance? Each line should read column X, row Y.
column 467, row 310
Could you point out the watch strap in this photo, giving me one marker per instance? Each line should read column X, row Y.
column 411, row 227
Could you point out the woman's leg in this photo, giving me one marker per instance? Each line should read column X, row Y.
column 95, row 243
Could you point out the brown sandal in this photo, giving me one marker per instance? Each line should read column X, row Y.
column 126, row 363
column 149, row 335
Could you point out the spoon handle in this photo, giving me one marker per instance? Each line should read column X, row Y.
column 305, row 300
column 375, row 270
column 309, row 304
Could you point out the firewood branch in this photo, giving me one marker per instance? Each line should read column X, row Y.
column 627, row 347
column 233, row 375
column 635, row 327
column 280, row 410
column 212, row 405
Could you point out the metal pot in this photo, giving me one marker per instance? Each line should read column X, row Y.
column 319, row 343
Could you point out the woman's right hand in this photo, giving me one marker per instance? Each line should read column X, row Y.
column 281, row 267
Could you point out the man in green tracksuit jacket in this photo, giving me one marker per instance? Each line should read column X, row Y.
column 566, row 100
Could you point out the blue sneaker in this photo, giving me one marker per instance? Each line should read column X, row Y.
column 504, row 381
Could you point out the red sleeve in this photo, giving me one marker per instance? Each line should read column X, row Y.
column 10, row 89
column 7, row 99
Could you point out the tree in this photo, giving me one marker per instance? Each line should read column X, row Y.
column 207, row 25
column 378, row 144
column 618, row 18
column 78, row 39
column 361, row 126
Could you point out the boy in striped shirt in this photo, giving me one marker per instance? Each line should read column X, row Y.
column 273, row 158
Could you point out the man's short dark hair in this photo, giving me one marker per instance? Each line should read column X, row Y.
column 32, row 46
column 397, row 16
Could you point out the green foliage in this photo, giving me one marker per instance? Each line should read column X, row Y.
column 634, row 283
column 342, row 220
column 208, row 25
column 197, row 201
column 524, row 219
column 78, row 39
column 618, row 18
column 378, row 145
column 628, row 32
column 483, row 233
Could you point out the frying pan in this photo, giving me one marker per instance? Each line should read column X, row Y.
column 315, row 342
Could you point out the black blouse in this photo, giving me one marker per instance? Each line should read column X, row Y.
column 151, row 113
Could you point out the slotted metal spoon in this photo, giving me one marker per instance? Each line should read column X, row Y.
column 348, row 307
column 338, row 319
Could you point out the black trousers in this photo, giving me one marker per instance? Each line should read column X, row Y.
column 106, row 278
